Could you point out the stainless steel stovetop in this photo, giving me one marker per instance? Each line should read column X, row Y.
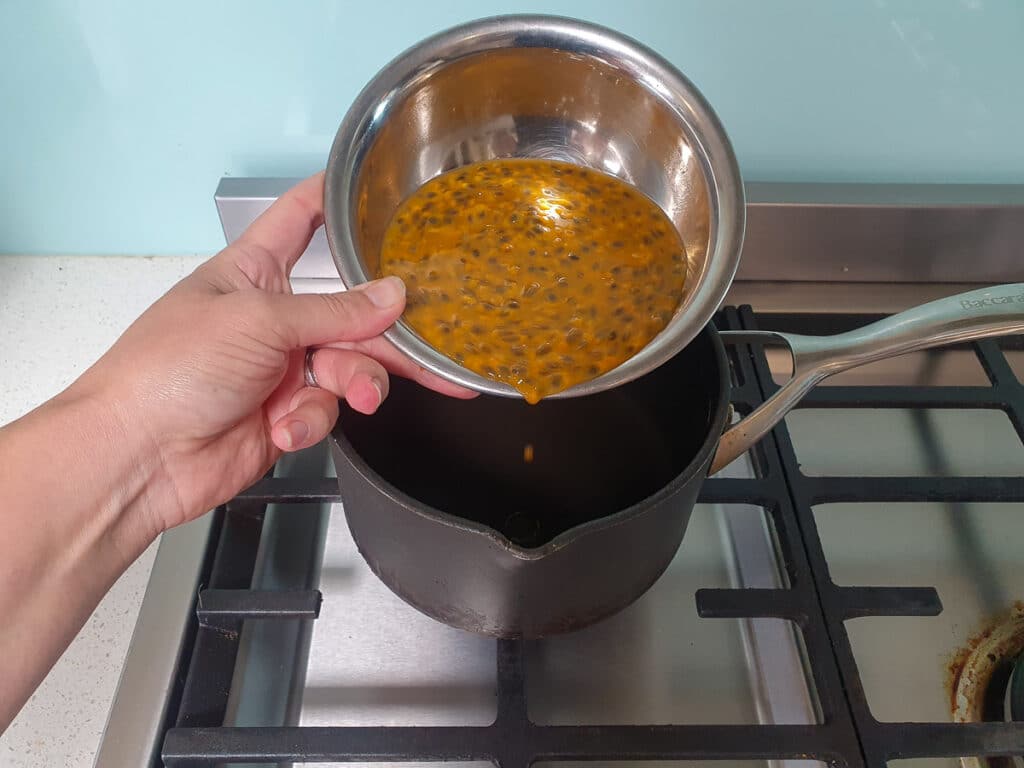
column 371, row 660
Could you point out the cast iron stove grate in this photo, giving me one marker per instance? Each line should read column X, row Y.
column 847, row 733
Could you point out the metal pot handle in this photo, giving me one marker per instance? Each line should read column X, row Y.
column 980, row 314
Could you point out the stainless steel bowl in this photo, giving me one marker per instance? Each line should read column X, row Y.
column 538, row 86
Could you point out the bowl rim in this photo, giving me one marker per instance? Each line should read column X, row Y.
column 711, row 145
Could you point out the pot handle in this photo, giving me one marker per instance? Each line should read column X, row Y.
column 980, row 314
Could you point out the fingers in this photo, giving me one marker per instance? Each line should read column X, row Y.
column 314, row 319
column 283, row 231
column 311, row 414
column 397, row 363
column 362, row 381
column 310, row 419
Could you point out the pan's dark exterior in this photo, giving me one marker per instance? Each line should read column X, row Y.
column 448, row 514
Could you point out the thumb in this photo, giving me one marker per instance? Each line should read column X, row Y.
column 363, row 312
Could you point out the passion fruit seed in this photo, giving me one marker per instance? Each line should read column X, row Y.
column 536, row 273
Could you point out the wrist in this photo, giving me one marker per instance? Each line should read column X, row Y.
column 114, row 461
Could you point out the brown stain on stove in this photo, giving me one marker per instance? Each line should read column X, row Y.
column 958, row 659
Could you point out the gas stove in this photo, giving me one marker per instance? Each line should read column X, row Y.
column 848, row 592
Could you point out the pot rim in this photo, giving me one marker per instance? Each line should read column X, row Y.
column 701, row 459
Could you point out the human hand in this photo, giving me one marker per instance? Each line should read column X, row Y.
column 208, row 383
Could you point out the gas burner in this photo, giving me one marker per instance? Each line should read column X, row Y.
column 988, row 680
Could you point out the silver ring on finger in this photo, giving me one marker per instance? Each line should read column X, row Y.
column 307, row 369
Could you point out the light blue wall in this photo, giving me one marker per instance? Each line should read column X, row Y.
column 118, row 118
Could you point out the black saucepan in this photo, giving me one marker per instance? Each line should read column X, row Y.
column 448, row 513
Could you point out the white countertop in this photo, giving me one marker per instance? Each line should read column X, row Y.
column 57, row 315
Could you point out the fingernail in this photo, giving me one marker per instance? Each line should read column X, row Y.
column 297, row 433
column 380, row 392
column 385, row 292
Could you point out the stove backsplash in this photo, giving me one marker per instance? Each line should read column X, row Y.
column 136, row 113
